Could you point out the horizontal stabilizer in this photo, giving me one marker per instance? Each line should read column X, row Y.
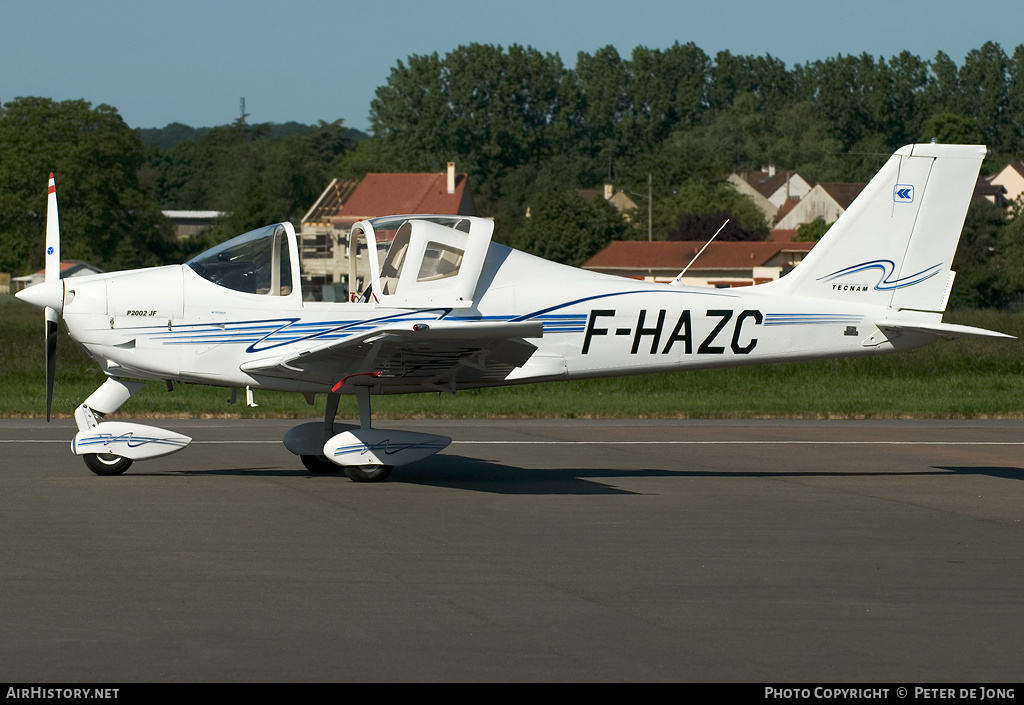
column 944, row 330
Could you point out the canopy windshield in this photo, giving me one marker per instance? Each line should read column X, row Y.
column 258, row 262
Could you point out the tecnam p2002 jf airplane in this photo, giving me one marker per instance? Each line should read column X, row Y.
column 447, row 309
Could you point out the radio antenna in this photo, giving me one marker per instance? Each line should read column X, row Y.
column 679, row 278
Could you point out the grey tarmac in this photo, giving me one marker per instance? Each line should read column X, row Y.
column 529, row 550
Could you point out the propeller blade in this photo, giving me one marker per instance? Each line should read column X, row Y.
column 51, row 356
column 52, row 275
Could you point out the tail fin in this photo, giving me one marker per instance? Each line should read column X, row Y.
column 894, row 245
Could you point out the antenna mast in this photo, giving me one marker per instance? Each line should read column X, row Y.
column 679, row 277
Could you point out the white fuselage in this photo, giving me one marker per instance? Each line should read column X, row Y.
column 168, row 323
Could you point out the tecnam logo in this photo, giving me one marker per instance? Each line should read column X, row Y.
column 903, row 193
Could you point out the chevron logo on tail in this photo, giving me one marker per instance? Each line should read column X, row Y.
column 903, row 193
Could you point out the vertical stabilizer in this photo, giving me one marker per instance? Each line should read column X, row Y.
column 894, row 245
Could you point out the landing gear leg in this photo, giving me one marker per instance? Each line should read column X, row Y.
column 111, row 395
column 366, row 454
column 366, row 473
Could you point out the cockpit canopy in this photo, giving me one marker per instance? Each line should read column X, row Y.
column 431, row 261
column 257, row 262
column 415, row 261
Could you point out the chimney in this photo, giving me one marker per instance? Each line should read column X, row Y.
column 451, row 177
column 608, row 192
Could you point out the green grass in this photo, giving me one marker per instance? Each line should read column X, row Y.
column 968, row 378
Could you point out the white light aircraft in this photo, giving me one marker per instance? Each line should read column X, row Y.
column 447, row 309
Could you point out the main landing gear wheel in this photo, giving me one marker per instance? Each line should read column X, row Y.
column 319, row 464
column 106, row 464
column 367, row 473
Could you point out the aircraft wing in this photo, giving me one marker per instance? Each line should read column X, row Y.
column 438, row 355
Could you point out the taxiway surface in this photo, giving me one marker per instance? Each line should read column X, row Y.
column 746, row 551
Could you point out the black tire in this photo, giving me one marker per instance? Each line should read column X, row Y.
column 319, row 464
column 105, row 464
column 367, row 473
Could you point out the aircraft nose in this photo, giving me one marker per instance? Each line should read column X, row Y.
column 42, row 295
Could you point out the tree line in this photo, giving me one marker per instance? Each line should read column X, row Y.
column 530, row 132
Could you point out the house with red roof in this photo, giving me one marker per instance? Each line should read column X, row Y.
column 720, row 265
column 328, row 260
column 67, row 269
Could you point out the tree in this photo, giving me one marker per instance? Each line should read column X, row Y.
column 836, row 87
column 702, row 227
column 986, row 276
column 862, row 99
column 486, row 108
column 1015, row 102
column 813, row 231
column 565, row 227
column 254, row 178
column 983, row 79
column 903, row 88
column 1012, row 255
column 666, row 88
column 105, row 217
column 765, row 78
column 602, row 88
column 696, row 209
column 286, row 176
column 951, row 128
column 944, row 94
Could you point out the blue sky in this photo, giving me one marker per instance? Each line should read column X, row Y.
column 309, row 60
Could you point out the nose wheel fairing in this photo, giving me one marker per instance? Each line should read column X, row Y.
column 110, row 447
column 128, row 440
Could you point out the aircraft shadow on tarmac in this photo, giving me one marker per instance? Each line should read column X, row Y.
column 481, row 475
column 460, row 472
column 1004, row 473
